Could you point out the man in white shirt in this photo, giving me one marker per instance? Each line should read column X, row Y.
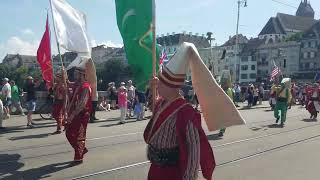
column 6, row 93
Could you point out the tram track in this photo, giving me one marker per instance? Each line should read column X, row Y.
column 141, row 140
column 103, row 137
column 220, row 165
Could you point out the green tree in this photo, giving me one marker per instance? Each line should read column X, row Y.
column 113, row 71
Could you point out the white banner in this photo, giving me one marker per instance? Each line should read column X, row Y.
column 71, row 27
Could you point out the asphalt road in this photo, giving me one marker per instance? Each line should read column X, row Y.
column 258, row 150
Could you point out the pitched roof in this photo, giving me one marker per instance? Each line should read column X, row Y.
column 232, row 41
column 313, row 32
column 273, row 26
column 295, row 23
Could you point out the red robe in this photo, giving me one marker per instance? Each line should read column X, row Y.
column 179, row 124
column 57, row 113
column 77, row 127
column 310, row 105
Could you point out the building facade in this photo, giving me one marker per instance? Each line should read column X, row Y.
column 171, row 42
column 101, row 54
column 17, row 60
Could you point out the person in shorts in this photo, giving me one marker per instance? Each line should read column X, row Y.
column 31, row 99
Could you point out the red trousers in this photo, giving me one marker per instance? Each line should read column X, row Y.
column 76, row 135
column 164, row 173
column 57, row 114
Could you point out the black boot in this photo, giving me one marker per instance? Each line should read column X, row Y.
column 282, row 124
column 277, row 120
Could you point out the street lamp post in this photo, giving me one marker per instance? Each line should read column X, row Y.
column 240, row 3
column 210, row 39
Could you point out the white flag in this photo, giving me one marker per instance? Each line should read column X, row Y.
column 71, row 27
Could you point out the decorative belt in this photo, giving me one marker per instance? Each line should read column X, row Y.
column 163, row 157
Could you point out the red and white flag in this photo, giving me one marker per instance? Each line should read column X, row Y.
column 44, row 56
column 163, row 57
column 275, row 72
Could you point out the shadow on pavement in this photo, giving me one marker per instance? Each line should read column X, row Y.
column 10, row 130
column 274, row 126
column 36, row 173
column 214, row 137
column 254, row 107
column 11, row 167
column 309, row 120
column 269, row 110
column 36, row 136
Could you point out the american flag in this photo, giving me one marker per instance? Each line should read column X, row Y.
column 163, row 57
column 276, row 70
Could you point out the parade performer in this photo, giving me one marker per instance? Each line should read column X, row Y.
column 313, row 105
column 59, row 91
column 176, row 141
column 283, row 99
column 273, row 95
column 79, row 110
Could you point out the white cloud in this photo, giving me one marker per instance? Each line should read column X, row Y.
column 27, row 32
column 16, row 45
column 108, row 44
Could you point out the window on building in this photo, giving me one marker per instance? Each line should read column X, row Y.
column 301, row 66
column 253, row 58
column 309, row 54
column 312, row 54
column 313, row 44
column 253, row 76
column 218, row 69
column 244, row 76
column 309, row 43
column 305, row 55
column 226, row 67
column 284, row 63
column 259, row 72
column 244, row 67
column 307, row 65
column 253, row 67
column 244, row 59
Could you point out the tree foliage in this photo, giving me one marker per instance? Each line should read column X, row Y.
column 18, row 74
column 294, row 37
column 113, row 71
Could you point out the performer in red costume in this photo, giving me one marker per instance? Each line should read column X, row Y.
column 176, row 140
column 313, row 105
column 59, row 91
column 79, row 110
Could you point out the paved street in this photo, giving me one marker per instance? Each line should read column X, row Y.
column 257, row 150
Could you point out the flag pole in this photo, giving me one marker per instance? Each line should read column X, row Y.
column 62, row 65
column 55, row 32
column 50, row 48
column 154, row 56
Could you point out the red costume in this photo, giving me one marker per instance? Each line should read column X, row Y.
column 177, row 143
column 313, row 103
column 80, row 108
column 57, row 113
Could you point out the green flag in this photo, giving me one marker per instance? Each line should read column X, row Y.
column 134, row 18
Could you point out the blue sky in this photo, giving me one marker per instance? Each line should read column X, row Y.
column 23, row 21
